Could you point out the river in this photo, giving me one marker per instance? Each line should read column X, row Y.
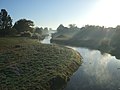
column 97, row 72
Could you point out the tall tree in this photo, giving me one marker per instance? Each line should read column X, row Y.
column 5, row 22
column 24, row 25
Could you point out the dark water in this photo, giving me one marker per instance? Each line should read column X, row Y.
column 97, row 72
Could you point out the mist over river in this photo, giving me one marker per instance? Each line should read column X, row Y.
column 97, row 72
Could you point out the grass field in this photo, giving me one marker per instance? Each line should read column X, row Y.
column 25, row 64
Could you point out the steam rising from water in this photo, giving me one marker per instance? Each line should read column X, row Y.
column 97, row 71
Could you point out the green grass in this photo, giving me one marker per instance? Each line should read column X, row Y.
column 25, row 64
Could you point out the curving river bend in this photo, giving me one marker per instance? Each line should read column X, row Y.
column 97, row 72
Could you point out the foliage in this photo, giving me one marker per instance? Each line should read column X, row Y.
column 40, row 33
column 5, row 23
column 26, row 34
column 38, row 30
column 66, row 31
column 91, row 36
column 61, row 28
column 72, row 26
column 24, row 25
column 45, row 31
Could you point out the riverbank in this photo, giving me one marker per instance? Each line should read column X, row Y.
column 90, row 36
column 28, row 65
column 88, row 44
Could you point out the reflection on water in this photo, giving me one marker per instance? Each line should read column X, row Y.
column 98, row 72
column 47, row 38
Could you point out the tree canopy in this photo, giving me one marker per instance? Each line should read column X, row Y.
column 5, row 19
column 24, row 25
column 38, row 30
column 5, row 23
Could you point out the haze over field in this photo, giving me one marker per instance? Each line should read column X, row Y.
column 51, row 13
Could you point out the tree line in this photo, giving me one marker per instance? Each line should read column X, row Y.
column 90, row 36
column 22, row 27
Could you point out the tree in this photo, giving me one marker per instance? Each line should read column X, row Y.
column 60, row 28
column 37, row 34
column 50, row 29
column 24, row 25
column 45, row 31
column 5, row 23
column 72, row 26
column 38, row 30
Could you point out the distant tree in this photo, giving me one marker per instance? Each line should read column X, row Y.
column 116, row 37
column 118, row 28
column 72, row 25
column 50, row 29
column 45, row 31
column 37, row 33
column 24, row 25
column 38, row 30
column 60, row 28
column 5, row 23
column 26, row 34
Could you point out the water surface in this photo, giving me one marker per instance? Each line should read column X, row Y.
column 47, row 38
column 97, row 72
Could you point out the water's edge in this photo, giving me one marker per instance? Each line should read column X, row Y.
column 98, row 71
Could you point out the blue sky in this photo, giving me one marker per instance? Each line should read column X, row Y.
column 52, row 13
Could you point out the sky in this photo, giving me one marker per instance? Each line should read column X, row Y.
column 52, row 13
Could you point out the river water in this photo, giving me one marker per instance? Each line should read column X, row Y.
column 97, row 72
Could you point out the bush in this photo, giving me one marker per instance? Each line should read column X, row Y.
column 26, row 34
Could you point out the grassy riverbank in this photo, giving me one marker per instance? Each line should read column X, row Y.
column 114, row 51
column 25, row 64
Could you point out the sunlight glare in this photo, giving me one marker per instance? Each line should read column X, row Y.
column 106, row 12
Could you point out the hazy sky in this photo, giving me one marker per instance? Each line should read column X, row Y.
column 52, row 13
